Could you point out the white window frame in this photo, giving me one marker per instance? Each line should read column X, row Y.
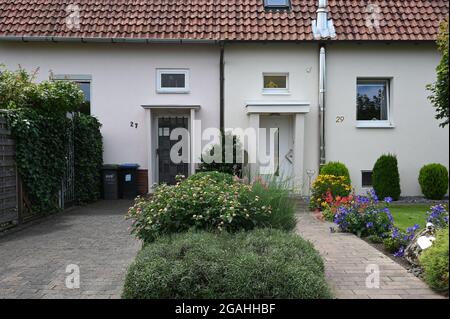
column 160, row 72
column 376, row 123
column 276, row 91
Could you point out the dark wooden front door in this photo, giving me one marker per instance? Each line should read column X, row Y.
column 168, row 170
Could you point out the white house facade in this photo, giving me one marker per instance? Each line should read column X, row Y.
column 301, row 67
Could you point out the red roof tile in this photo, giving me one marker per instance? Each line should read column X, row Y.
column 222, row 19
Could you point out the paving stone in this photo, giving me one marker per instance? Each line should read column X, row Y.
column 346, row 259
column 95, row 237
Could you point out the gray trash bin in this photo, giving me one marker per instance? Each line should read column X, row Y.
column 110, row 179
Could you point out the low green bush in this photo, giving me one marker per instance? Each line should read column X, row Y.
column 433, row 180
column 386, row 178
column 215, row 175
column 263, row 263
column 434, row 261
column 336, row 169
column 208, row 201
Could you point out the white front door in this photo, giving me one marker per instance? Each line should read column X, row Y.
column 282, row 152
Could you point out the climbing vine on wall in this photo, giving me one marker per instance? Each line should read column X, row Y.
column 88, row 149
column 41, row 148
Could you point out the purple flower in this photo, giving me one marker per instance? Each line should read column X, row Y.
column 400, row 252
column 388, row 200
column 369, row 225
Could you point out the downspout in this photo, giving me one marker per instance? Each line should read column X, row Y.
column 323, row 29
column 322, row 90
column 222, row 86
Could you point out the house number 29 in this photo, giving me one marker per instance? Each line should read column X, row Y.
column 339, row 119
column 133, row 124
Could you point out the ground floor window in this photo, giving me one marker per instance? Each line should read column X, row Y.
column 372, row 100
column 366, row 178
column 84, row 82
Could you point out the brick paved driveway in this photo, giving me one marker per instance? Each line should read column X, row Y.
column 33, row 261
column 346, row 260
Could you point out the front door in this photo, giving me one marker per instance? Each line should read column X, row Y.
column 167, row 169
column 282, row 155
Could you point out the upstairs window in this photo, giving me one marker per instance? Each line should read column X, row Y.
column 277, row 4
column 275, row 83
column 84, row 82
column 172, row 81
column 372, row 101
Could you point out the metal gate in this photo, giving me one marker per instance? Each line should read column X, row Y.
column 9, row 213
column 67, row 193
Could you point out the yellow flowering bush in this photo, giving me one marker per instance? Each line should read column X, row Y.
column 206, row 201
column 326, row 185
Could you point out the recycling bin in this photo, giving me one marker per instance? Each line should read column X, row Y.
column 110, row 181
column 128, row 184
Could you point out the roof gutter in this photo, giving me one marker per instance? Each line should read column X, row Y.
column 105, row 40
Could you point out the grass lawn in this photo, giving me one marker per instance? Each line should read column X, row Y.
column 406, row 215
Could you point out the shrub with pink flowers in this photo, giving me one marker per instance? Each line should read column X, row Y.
column 206, row 201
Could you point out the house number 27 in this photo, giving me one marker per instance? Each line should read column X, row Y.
column 339, row 119
column 133, row 124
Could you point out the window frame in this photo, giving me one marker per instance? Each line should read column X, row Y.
column 77, row 78
column 277, row 6
column 388, row 123
column 276, row 91
column 172, row 90
column 362, row 178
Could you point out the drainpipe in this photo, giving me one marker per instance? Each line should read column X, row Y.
column 322, row 87
column 222, row 86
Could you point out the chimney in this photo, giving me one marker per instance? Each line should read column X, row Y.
column 323, row 27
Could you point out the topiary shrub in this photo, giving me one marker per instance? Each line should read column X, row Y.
column 434, row 261
column 263, row 263
column 433, row 180
column 385, row 177
column 336, row 169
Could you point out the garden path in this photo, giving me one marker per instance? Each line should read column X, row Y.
column 349, row 261
column 33, row 260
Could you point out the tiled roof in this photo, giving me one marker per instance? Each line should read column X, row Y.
column 220, row 19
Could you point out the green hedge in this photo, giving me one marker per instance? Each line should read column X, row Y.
column 258, row 264
column 88, row 153
column 386, row 178
column 336, row 169
column 41, row 149
column 434, row 261
column 433, row 180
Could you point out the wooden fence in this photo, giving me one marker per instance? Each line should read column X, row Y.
column 15, row 207
column 9, row 190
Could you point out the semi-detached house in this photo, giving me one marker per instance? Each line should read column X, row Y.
column 341, row 79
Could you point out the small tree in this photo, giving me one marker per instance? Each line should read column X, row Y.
column 228, row 161
column 385, row 177
column 439, row 89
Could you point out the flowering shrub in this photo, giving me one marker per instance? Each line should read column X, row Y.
column 365, row 216
column 332, row 205
column 438, row 216
column 324, row 184
column 207, row 202
column 398, row 240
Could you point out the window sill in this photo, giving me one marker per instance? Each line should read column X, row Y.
column 276, row 93
column 172, row 92
column 374, row 124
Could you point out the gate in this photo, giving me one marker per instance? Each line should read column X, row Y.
column 67, row 193
column 9, row 212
